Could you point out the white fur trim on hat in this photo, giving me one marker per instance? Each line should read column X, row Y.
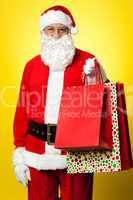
column 55, row 16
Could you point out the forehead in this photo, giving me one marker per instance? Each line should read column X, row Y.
column 57, row 25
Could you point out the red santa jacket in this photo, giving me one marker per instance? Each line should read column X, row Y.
column 32, row 97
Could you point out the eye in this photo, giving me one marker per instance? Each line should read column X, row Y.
column 50, row 28
column 64, row 30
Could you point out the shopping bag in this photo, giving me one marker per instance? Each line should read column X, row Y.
column 94, row 161
column 85, row 120
column 125, row 145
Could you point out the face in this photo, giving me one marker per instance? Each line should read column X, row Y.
column 56, row 30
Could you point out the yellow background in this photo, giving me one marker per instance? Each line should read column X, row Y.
column 106, row 30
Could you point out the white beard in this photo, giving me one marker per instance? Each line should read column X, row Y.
column 57, row 53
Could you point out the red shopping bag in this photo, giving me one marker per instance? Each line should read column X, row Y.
column 85, row 121
column 125, row 146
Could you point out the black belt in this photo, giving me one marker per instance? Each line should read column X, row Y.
column 45, row 132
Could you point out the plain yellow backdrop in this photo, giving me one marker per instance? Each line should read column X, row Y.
column 106, row 30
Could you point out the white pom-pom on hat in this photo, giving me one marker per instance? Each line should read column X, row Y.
column 74, row 30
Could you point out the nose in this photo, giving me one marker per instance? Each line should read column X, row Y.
column 56, row 34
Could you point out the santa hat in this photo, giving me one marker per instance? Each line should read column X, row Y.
column 58, row 14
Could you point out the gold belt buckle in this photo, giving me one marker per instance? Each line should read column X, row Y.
column 49, row 134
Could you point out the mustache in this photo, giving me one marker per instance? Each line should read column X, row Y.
column 49, row 40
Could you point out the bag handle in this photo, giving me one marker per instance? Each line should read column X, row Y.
column 98, row 75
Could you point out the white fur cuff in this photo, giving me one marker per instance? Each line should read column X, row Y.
column 50, row 160
column 18, row 158
column 45, row 161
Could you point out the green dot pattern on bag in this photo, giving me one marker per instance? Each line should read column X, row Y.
column 109, row 161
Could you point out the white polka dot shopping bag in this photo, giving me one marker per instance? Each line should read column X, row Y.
column 99, row 161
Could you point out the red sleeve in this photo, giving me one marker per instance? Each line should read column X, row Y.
column 20, row 124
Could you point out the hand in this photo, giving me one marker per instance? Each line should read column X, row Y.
column 22, row 174
column 89, row 66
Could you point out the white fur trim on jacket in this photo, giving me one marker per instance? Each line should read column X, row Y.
column 53, row 96
column 51, row 159
column 45, row 161
column 50, row 149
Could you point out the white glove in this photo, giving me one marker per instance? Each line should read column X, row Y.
column 21, row 169
column 89, row 66
column 22, row 174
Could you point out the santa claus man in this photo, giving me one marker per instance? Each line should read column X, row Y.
column 60, row 64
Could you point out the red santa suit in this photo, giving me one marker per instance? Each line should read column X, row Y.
column 39, row 101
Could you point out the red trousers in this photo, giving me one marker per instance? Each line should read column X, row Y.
column 44, row 185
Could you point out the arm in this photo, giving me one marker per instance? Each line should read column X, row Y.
column 20, row 128
column 20, row 120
